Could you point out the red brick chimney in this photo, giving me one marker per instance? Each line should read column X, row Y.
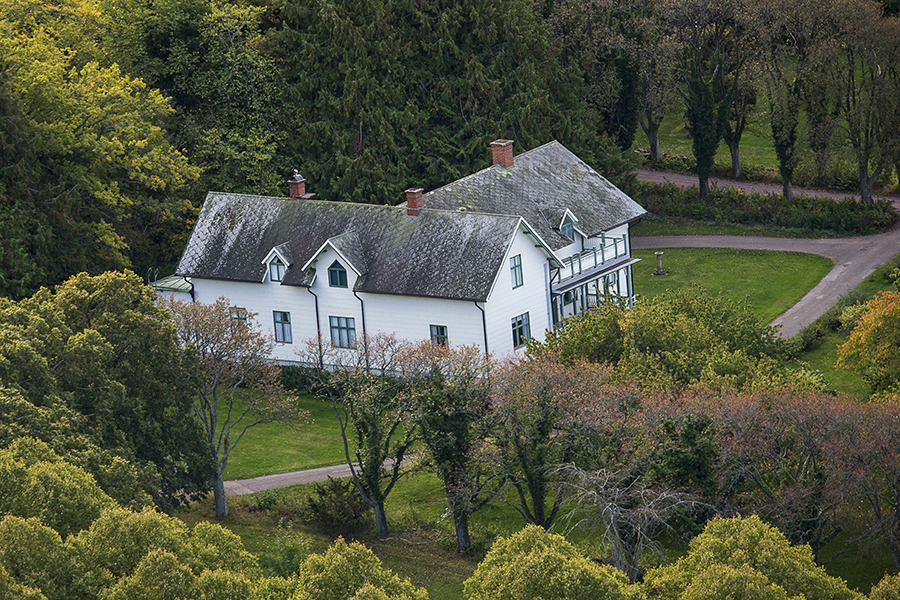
column 414, row 201
column 502, row 153
column 296, row 185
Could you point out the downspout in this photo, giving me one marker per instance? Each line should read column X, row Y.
column 362, row 310
column 318, row 328
column 483, row 326
column 190, row 283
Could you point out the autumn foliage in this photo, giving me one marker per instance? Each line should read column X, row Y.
column 874, row 346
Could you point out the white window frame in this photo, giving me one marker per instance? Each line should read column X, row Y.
column 276, row 269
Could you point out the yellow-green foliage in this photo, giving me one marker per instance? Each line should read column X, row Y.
column 351, row 571
column 10, row 590
column 886, row 589
column 36, row 482
column 676, row 339
column 34, row 556
column 535, row 564
column 749, row 559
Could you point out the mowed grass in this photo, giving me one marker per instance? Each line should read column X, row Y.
column 756, row 143
column 771, row 281
column 272, row 448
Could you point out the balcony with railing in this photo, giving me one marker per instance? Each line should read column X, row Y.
column 593, row 260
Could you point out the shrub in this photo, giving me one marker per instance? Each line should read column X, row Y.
column 337, row 504
column 734, row 205
column 346, row 570
column 535, row 564
column 756, row 559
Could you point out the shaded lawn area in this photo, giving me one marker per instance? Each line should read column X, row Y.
column 421, row 546
column 273, row 448
column 771, row 281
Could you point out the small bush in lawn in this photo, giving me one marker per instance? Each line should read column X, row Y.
column 266, row 500
column 337, row 504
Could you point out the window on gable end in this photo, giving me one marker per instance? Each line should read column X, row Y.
column 515, row 270
column 337, row 275
column 276, row 269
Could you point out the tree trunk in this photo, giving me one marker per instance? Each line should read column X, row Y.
column 463, row 541
column 735, row 150
column 219, row 493
column 381, row 524
column 655, row 154
column 866, row 183
column 787, row 191
column 704, row 187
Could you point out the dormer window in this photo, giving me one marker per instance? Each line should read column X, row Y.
column 276, row 269
column 568, row 229
column 337, row 275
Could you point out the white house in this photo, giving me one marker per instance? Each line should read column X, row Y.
column 489, row 260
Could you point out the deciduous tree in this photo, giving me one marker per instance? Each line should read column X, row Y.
column 371, row 403
column 536, row 423
column 754, row 558
column 874, row 346
column 234, row 358
column 449, row 393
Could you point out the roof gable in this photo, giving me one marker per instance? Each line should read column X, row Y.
column 542, row 186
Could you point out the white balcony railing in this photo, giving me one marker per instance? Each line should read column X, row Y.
column 609, row 249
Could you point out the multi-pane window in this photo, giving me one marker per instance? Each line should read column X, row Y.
column 337, row 275
column 282, row 327
column 521, row 330
column 515, row 269
column 568, row 229
column 343, row 332
column 439, row 335
column 276, row 269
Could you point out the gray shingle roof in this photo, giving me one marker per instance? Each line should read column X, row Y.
column 540, row 186
column 442, row 254
column 351, row 247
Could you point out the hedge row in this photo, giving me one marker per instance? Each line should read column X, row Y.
column 735, row 205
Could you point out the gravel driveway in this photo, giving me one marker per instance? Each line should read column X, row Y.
column 854, row 258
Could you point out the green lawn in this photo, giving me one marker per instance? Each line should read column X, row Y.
column 771, row 281
column 756, row 143
column 279, row 448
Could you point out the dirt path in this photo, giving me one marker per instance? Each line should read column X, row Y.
column 854, row 258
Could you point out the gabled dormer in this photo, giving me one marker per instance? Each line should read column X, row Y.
column 567, row 225
column 349, row 255
column 277, row 262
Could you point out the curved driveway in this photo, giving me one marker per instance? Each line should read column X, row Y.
column 854, row 258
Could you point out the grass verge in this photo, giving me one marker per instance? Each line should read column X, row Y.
column 273, row 448
column 771, row 281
